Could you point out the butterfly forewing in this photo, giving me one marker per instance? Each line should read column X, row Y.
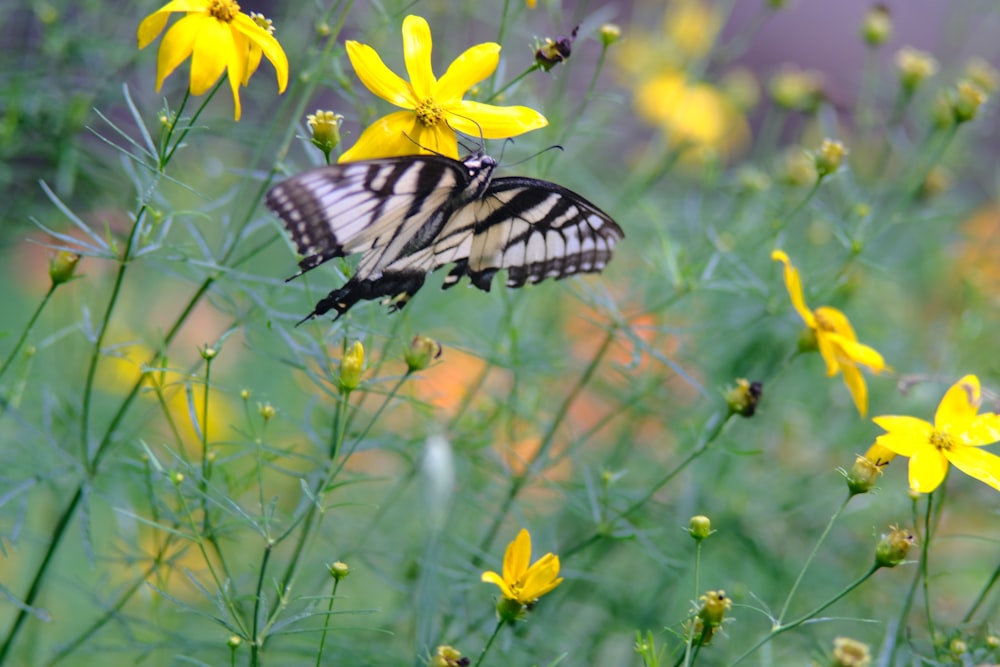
column 412, row 215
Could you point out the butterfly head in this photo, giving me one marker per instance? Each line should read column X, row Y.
column 477, row 162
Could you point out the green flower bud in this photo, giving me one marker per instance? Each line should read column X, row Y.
column 893, row 546
column 351, row 366
column 877, row 26
column 339, row 570
column 700, row 527
column 61, row 267
column 967, row 100
column 610, row 33
column 743, row 398
column 421, row 351
column 829, row 157
column 915, row 67
column 325, row 128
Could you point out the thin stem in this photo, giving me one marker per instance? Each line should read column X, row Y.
column 257, row 642
column 27, row 329
column 533, row 68
column 809, row 560
column 521, row 479
column 496, row 631
column 982, row 595
column 924, row 567
column 326, row 623
column 688, row 656
column 779, row 629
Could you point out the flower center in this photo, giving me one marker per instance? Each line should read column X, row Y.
column 223, row 10
column 941, row 440
column 429, row 113
column 823, row 323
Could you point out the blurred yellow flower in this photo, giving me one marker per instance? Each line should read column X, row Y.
column 521, row 583
column 693, row 115
column 835, row 338
column 218, row 37
column 955, row 437
column 691, row 27
column 434, row 107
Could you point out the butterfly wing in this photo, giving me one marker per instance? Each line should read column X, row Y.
column 534, row 229
column 390, row 209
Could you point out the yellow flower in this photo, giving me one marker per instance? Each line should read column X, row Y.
column 954, row 437
column 835, row 338
column 434, row 107
column 519, row 582
column 218, row 37
column 694, row 115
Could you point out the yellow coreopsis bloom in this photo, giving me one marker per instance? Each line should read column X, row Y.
column 955, row 437
column 434, row 107
column 521, row 583
column 835, row 338
column 218, row 37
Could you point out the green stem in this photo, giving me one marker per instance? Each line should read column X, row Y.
column 982, row 595
column 534, row 68
column 809, row 560
column 688, row 657
column 780, row 629
column 27, row 329
column 326, row 623
column 257, row 642
column 496, row 631
column 924, row 567
column 521, row 479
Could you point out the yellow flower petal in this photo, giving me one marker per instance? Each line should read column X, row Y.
column 213, row 51
column 541, row 578
column 178, row 44
column 378, row 78
column 794, row 285
column 855, row 382
column 879, row 454
column 959, row 406
column 417, row 56
column 439, row 139
column 151, row 27
column 928, row 467
column 985, row 429
column 905, row 434
column 976, row 463
column 474, row 65
column 387, row 137
column 237, row 62
column 494, row 122
column 494, row 578
column 267, row 44
column 830, row 351
column 517, row 557
column 858, row 353
column 834, row 321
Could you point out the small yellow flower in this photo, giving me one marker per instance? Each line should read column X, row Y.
column 955, row 437
column 850, row 653
column 835, row 338
column 351, row 366
column 218, row 37
column 434, row 107
column 915, row 67
column 521, row 583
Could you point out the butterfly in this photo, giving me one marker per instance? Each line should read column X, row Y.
column 409, row 216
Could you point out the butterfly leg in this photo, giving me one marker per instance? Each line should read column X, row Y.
column 399, row 286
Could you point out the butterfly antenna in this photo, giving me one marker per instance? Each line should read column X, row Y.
column 422, row 147
column 482, row 138
column 555, row 147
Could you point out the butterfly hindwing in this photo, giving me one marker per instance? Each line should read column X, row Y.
column 409, row 216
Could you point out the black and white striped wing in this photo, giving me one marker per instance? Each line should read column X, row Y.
column 378, row 207
column 533, row 229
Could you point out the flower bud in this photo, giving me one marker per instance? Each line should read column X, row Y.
column 797, row 90
column 828, row 157
column 937, row 181
column 967, row 100
column 983, row 74
column 234, row 642
column 245, row 394
column 850, row 653
column 742, row 398
column 209, row 352
column 915, row 67
column 700, row 527
column 447, row 656
column 339, row 570
column 61, row 267
column 957, row 646
column 510, row 611
column 325, row 128
column 877, row 26
column 610, row 33
column 420, row 353
column 893, row 546
column 752, row 180
column 176, row 478
column 797, row 169
column 266, row 411
column 993, row 641
column 551, row 52
column 711, row 613
column 862, row 476
column 351, row 366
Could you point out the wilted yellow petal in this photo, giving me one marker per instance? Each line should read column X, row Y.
column 474, row 65
column 378, row 78
column 417, row 56
column 959, row 406
column 855, row 382
column 794, row 285
column 494, row 122
column 976, row 463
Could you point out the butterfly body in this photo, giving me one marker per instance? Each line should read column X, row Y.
column 409, row 216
